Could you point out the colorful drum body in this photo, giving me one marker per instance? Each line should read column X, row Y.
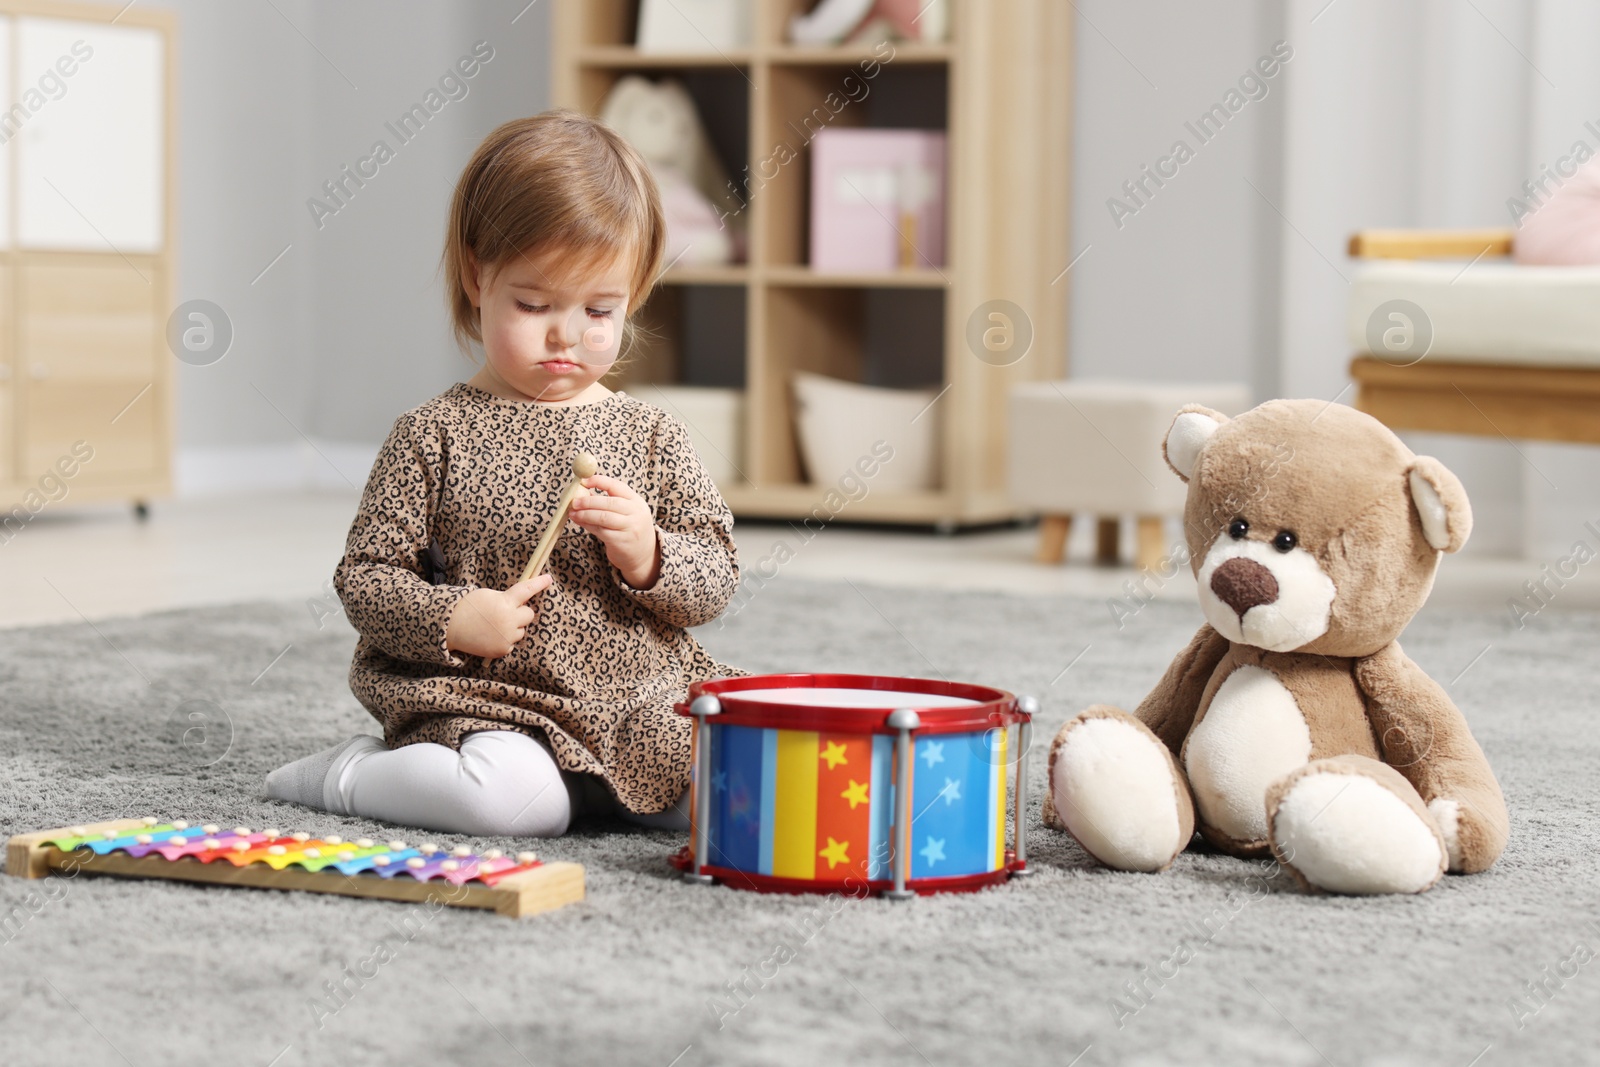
column 804, row 772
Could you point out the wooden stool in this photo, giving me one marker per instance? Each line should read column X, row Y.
column 1094, row 448
column 1149, row 543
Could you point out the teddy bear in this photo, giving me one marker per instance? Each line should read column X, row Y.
column 1293, row 724
column 704, row 216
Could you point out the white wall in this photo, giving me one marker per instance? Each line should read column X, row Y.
column 348, row 328
column 1186, row 289
column 245, row 91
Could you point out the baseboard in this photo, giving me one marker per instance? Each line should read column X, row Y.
column 285, row 465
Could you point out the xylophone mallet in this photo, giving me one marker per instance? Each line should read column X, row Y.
column 583, row 466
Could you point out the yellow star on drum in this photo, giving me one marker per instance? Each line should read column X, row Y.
column 834, row 754
column 835, row 853
column 855, row 793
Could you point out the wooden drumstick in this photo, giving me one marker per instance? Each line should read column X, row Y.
column 582, row 467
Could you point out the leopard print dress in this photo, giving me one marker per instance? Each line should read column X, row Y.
column 460, row 493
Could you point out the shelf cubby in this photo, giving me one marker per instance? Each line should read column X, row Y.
column 691, row 335
column 802, row 100
column 879, row 336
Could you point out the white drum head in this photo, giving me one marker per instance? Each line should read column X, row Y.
column 849, row 698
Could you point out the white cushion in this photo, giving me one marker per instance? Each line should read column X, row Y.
column 1493, row 311
column 1095, row 446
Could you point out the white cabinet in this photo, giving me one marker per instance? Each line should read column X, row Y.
column 86, row 257
column 6, row 131
column 91, row 147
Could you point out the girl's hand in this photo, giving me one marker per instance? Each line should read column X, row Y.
column 489, row 623
column 622, row 520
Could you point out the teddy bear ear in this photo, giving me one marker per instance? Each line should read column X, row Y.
column 1191, row 429
column 1441, row 503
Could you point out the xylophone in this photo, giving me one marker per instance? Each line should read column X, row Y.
column 270, row 859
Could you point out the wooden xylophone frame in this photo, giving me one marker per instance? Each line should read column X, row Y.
column 546, row 887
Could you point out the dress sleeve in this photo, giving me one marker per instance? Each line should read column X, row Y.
column 380, row 579
column 699, row 562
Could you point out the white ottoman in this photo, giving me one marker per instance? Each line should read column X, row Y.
column 1094, row 447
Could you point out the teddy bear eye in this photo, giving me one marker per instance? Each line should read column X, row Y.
column 1237, row 529
column 1285, row 541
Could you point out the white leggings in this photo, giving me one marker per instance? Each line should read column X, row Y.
column 500, row 784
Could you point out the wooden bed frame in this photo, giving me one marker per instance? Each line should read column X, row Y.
column 1510, row 400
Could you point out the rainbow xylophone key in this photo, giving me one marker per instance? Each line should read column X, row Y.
column 271, row 859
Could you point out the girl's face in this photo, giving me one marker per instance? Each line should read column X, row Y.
column 551, row 325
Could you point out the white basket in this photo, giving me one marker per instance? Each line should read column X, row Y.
column 715, row 418
column 693, row 25
column 841, row 424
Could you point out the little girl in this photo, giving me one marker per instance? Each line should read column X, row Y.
column 511, row 707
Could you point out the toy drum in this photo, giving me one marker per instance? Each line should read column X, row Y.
column 855, row 783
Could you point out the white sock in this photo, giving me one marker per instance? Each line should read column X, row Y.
column 303, row 781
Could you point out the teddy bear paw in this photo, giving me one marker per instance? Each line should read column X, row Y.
column 1447, row 813
column 1345, row 831
column 1114, row 788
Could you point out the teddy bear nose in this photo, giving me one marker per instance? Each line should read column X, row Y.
column 1243, row 584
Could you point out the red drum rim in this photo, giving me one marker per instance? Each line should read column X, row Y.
column 992, row 708
column 683, row 860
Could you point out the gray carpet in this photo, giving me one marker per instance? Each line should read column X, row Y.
column 154, row 973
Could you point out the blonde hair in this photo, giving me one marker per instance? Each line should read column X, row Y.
column 556, row 180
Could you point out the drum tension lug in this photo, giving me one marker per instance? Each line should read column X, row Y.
column 905, row 722
column 702, row 708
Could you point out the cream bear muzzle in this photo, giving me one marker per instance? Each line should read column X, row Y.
column 1256, row 595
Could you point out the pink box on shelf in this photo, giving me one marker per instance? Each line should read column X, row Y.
column 877, row 199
